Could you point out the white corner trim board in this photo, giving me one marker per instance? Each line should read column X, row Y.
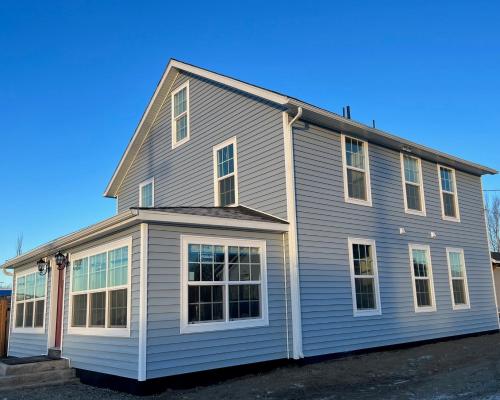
column 292, row 236
column 143, row 304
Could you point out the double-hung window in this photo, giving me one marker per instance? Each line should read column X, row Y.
column 30, row 298
column 458, row 278
column 413, row 187
column 422, row 280
column 100, row 290
column 223, row 284
column 449, row 198
column 364, row 277
column 180, row 115
column 226, row 173
column 356, row 167
column 147, row 193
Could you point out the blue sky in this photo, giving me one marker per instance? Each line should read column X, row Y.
column 76, row 76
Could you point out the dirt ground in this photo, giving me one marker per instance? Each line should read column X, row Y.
column 459, row 369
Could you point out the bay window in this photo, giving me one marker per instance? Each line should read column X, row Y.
column 100, row 290
column 223, row 284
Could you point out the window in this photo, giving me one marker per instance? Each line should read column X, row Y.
column 226, row 173
column 180, row 115
column 356, row 171
column 30, row 296
column 449, row 199
column 147, row 193
column 364, row 277
column 100, row 290
column 413, row 186
column 421, row 273
column 458, row 278
column 223, row 284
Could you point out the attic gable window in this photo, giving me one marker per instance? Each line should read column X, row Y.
column 147, row 193
column 356, row 168
column 180, row 115
column 448, row 189
column 226, row 174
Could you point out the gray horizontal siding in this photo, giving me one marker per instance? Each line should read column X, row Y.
column 184, row 176
column 325, row 222
column 110, row 355
column 169, row 352
column 28, row 344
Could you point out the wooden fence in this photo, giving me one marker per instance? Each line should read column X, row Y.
column 4, row 326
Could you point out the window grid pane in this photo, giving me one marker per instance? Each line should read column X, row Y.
column 365, row 293
column 39, row 313
column 227, row 191
column 79, row 310
column 412, row 170
column 97, row 271
column 355, row 155
column 447, row 180
column 356, row 184
column 19, row 315
column 244, row 301
column 80, row 274
column 180, row 102
column 118, row 308
column 205, row 303
column 28, row 314
column 181, row 128
column 97, row 309
column 21, row 283
column 118, row 267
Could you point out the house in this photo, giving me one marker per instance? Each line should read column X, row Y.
column 252, row 226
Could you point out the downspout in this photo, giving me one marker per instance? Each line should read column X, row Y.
column 292, row 235
column 285, row 280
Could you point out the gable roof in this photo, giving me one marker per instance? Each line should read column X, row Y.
column 311, row 114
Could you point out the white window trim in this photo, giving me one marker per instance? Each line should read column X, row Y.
column 378, row 309
column 95, row 331
column 368, row 201
column 421, row 186
column 427, row 249
column 185, row 327
column 19, row 329
column 235, row 173
column 141, row 185
column 465, row 306
column 175, row 142
column 455, row 193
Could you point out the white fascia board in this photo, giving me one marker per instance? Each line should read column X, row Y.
column 109, row 225
column 200, row 220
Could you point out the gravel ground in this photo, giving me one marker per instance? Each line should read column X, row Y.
column 460, row 369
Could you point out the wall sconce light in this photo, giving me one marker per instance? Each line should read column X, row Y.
column 62, row 261
column 43, row 266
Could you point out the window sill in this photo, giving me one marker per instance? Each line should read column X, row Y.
column 425, row 309
column 415, row 212
column 350, row 200
column 461, row 307
column 223, row 326
column 30, row 331
column 106, row 332
column 367, row 313
column 180, row 142
column 451, row 219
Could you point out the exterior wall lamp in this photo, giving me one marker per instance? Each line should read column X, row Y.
column 62, row 261
column 43, row 266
